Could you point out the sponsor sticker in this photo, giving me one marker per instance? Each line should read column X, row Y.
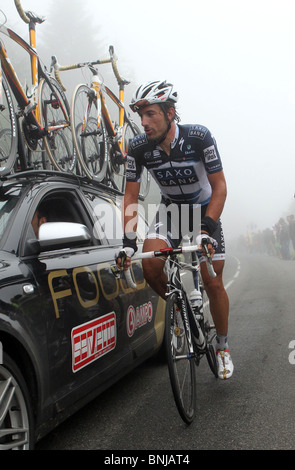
column 92, row 340
column 138, row 317
column 198, row 131
column 176, row 176
column 210, row 154
column 131, row 163
column 138, row 141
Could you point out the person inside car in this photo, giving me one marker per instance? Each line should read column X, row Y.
column 39, row 218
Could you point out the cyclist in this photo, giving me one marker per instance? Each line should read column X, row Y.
column 185, row 162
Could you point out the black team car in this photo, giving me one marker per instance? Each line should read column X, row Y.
column 69, row 325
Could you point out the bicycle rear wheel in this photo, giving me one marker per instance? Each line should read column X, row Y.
column 181, row 364
column 90, row 140
column 8, row 131
column 55, row 117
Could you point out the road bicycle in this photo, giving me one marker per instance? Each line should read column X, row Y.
column 189, row 329
column 101, row 144
column 41, row 125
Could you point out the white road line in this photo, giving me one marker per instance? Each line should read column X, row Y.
column 236, row 275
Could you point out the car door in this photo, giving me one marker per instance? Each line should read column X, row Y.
column 82, row 303
column 143, row 311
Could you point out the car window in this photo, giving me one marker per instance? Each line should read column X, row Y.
column 61, row 206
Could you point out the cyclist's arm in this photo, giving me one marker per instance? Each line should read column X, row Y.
column 219, row 193
column 215, row 206
column 130, row 207
column 129, row 218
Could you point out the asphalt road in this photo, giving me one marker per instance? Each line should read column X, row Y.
column 254, row 410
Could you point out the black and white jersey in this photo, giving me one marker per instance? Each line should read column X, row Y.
column 181, row 176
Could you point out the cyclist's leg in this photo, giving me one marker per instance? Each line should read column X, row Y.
column 153, row 269
column 162, row 234
column 219, row 304
column 218, row 298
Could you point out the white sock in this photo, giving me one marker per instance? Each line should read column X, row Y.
column 221, row 342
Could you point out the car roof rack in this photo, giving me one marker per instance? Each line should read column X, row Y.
column 54, row 174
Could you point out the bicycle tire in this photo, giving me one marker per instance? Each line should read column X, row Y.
column 8, row 131
column 91, row 141
column 54, row 110
column 181, row 365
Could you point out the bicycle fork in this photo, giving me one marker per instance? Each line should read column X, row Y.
column 193, row 331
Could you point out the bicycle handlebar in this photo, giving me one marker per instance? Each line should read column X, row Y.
column 21, row 12
column 27, row 16
column 166, row 252
column 62, row 68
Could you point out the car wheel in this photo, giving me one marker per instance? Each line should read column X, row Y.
column 16, row 416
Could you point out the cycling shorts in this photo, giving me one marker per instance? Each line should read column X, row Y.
column 173, row 222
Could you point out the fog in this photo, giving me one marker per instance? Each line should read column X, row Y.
column 232, row 63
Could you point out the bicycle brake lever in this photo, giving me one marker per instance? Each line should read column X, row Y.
column 209, row 261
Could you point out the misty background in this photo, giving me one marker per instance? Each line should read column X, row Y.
column 232, row 63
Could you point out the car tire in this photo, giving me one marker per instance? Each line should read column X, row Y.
column 16, row 412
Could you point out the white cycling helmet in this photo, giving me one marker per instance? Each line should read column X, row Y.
column 156, row 92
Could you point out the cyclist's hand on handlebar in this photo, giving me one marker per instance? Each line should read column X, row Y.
column 123, row 258
column 204, row 238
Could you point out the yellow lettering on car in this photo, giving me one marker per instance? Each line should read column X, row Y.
column 103, row 280
column 91, row 302
column 60, row 294
column 111, row 288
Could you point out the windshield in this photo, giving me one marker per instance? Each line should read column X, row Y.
column 7, row 205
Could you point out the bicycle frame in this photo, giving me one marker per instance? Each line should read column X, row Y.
column 175, row 286
column 186, row 335
column 107, row 119
column 10, row 73
column 101, row 91
column 29, row 105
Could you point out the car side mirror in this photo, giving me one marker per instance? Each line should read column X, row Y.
column 57, row 236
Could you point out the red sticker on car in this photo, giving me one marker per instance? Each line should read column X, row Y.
column 93, row 340
column 138, row 317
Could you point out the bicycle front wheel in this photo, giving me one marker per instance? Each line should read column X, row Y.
column 90, row 139
column 181, row 364
column 210, row 333
column 54, row 116
column 8, row 131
